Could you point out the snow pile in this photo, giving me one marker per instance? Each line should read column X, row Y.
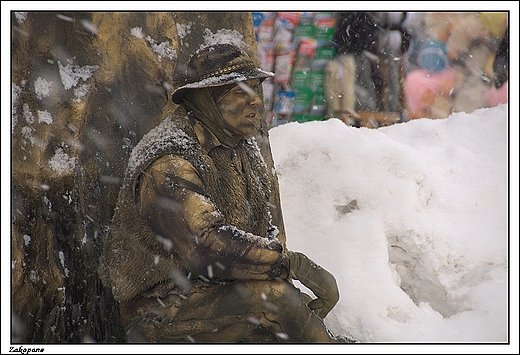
column 412, row 219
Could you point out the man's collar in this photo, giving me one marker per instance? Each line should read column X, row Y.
column 206, row 138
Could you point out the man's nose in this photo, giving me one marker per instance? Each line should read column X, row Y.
column 255, row 99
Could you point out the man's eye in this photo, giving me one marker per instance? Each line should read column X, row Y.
column 246, row 89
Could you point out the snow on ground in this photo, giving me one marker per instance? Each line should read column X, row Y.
column 412, row 219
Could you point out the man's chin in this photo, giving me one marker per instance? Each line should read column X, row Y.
column 250, row 130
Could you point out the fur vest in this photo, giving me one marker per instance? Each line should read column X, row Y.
column 133, row 259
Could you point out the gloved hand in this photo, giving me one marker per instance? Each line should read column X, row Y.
column 321, row 282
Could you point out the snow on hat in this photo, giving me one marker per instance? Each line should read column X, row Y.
column 216, row 65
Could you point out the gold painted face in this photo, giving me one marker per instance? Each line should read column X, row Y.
column 240, row 107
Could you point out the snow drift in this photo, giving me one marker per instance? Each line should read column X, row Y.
column 412, row 219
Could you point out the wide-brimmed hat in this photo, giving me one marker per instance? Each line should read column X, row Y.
column 216, row 65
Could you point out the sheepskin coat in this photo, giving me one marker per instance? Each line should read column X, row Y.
column 135, row 257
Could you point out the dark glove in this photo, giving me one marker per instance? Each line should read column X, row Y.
column 321, row 282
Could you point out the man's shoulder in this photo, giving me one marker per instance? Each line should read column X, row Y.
column 175, row 124
column 173, row 135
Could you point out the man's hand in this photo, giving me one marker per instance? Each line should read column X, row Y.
column 321, row 282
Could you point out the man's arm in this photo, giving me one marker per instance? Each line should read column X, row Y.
column 172, row 199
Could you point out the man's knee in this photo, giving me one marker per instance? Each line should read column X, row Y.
column 276, row 296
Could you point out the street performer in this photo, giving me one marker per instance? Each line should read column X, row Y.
column 194, row 253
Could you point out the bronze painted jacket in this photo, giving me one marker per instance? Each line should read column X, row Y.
column 190, row 207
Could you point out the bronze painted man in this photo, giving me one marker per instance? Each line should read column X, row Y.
column 193, row 254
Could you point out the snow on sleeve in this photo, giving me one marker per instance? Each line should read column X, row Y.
column 250, row 237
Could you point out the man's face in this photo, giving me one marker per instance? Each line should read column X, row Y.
column 240, row 107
